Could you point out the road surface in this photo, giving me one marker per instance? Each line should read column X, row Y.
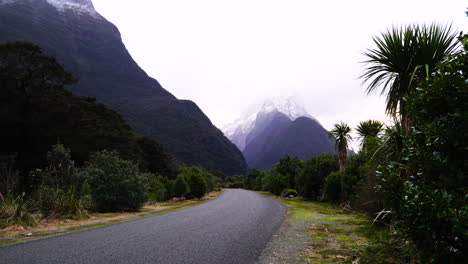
column 232, row 228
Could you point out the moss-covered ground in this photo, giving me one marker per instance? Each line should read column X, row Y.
column 333, row 235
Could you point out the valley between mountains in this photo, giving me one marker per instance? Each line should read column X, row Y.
column 99, row 163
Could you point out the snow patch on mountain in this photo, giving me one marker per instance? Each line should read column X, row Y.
column 3, row 2
column 77, row 6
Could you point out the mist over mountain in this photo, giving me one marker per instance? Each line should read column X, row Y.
column 278, row 127
column 91, row 48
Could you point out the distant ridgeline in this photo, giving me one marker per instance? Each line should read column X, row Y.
column 91, row 48
column 280, row 127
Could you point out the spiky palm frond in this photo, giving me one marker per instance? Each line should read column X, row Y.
column 368, row 129
column 392, row 144
column 403, row 56
column 341, row 135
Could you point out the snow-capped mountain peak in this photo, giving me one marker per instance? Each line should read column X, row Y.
column 287, row 106
column 239, row 129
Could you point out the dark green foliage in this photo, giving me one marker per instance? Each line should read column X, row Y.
column 181, row 187
column 44, row 112
column 398, row 62
column 154, row 159
column 340, row 134
column 235, row 182
column 275, row 182
column 368, row 130
column 332, row 187
column 254, row 180
column 429, row 203
column 61, row 190
column 198, row 186
column 60, row 169
column 116, row 183
column 154, row 188
column 313, row 175
column 291, row 167
column 15, row 210
column 199, row 181
column 387, row 248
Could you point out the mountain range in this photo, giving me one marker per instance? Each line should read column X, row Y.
column 91, row 48
column 279, row 127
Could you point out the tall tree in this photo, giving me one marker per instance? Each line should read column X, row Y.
column 367, row 130
column 341, row 135
column 404, row 56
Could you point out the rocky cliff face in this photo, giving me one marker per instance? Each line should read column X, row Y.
column 91, row 47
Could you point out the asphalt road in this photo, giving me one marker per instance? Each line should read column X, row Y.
column 232, row 228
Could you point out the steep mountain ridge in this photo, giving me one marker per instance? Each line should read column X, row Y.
column 91, row 47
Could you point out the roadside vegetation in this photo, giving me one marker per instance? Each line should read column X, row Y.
column 318, row 232
column 67, row 157
column 409, row 177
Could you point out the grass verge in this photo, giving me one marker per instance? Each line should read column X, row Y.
column 332, row 235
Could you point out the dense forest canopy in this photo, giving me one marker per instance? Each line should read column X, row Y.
column 37, row 112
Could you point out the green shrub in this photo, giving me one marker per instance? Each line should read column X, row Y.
column 48, row 201
column 15, row 210
column 197, row 184
column 60, row 170
column 332, row 187
column 155, row 189
column 169, row 185
column 116, row 184
column 275, row 182
column 313, row 175
column 236, row 181
column 9, row 179
column 180, row 186
column 427, row 195
column 387, row 248
column 291, row 167
column 197, row 180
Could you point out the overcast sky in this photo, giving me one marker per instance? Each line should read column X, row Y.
column 227, row 55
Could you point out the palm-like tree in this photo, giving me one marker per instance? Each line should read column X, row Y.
column 403, row 57
column 367, row 130
column 341, row 135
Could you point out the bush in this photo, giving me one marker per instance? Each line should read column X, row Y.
column 313, row 175
column 52, row 202
column 117, row 184
column 197, row 179
column 427, row 195
column 180, row 186
column 275, row 182
column 387, row 248
column 15, row 210
column 154, row 187
column 332, row 187
column 198, row 186
column 236, row 181
column 60, row 167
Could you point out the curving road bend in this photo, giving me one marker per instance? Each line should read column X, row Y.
column 232, row 228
